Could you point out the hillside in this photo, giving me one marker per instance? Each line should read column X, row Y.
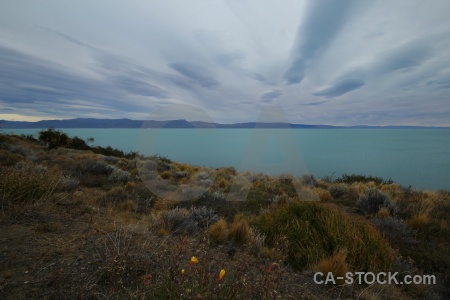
column 88, row 222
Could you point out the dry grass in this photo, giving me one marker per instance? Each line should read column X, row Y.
column 239, row 231
column 324, row 195
column 418, row 221
column 166, row 175
column 218, row 232
column 383, row 213
column 335, row 264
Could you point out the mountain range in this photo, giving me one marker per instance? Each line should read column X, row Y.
column 128, row 123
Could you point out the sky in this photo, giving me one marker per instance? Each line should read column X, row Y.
column 328, row 62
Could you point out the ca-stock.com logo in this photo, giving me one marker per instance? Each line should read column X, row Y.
column 192, row 145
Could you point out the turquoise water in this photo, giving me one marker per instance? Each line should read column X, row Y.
column 416, row 157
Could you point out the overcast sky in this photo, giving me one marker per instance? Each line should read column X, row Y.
column 323, row 62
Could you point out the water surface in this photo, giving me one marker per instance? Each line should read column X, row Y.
column 416, row 157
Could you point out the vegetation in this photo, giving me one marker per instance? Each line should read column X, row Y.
column 79, row 221
column 53, row 139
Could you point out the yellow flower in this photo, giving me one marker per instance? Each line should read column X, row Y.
column 221, row 275
column 194, row 260
column 182, row 271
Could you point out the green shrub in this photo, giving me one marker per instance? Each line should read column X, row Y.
column 53, row 138
column 374, row 199
column 345, row 178
column 338, row 190
column 314, row 232
column 78, row 143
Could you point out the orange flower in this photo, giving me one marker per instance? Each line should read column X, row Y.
column 221, row 275
column 194, row 260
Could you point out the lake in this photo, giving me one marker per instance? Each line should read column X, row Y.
column 412, row 157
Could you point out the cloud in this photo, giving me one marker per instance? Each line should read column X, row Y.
column 404, row 57
column 46, row 85
column 270, row 96
column 197, row 73
column 139, row 87
column 340, row 88
column 65, row 37
column 323, row 21
column 242, row 55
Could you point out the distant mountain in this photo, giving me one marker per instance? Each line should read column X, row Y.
column 127, row 123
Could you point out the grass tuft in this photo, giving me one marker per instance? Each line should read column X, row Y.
column 218, row 232
column 315, row 232
column 335, row 264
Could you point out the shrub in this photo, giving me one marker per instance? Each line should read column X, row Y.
column 218, row 232
column 69, row 183
column 3, row 143
column 309, row 180
column 203, row 216
column 96, row 167
column 9, row 159
column 217, row 197
column 394, row 230
column 119, row 175
column 181, row 174
column 314, row 232
column 53, row 138
column 239, row 231
column 374, row 199
column 324, row 195
column 338, row 190
column 180, row 220
column 77, row 143
column 27, row 183
column 166, row 175
column 418, row 221
column 383, row 212
column 19, row 150
column 345, row 178
column 202, row 176
column 285, row 179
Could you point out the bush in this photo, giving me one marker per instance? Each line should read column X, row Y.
column 96, row 167
column 345, row 178
column 374, row 199
column 203, row 216
column 394, row 229
column 239, row 231
column 218, row 232
column 78, row 143
column 69, row 183
column 314, row 232
column 119, row 175
column 9, row 159
column 53, row 138
column 166, row 175
column 27, row 183
column 308, row 180
column 338, row 190
column 187, row 221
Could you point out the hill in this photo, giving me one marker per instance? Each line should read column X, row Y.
column 89, row 222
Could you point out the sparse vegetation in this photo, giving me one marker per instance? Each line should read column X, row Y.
column 77, row 221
